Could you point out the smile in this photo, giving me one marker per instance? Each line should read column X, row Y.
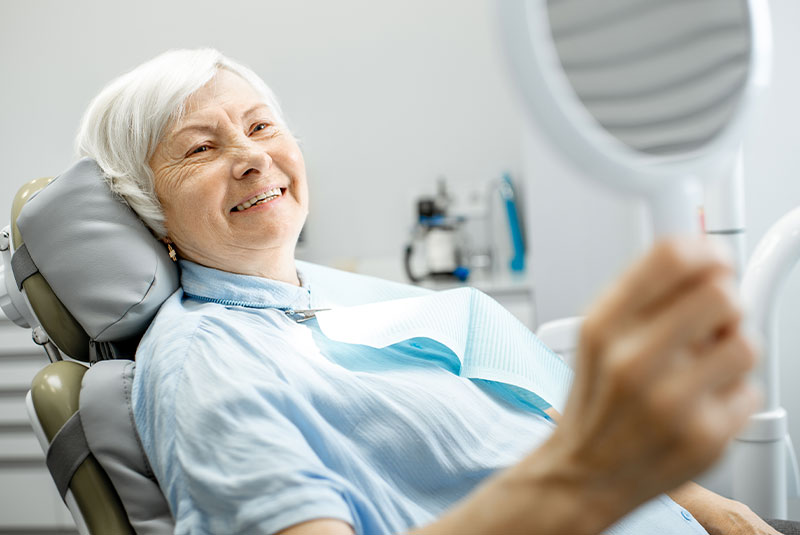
column 261, row 198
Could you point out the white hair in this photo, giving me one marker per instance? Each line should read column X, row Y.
column 126, row 121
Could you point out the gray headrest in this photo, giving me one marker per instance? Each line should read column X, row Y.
column 101, row 261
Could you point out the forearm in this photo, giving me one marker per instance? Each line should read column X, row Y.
column 693, row 498
column 709, row 508
column 544, row 494
column 717, row 514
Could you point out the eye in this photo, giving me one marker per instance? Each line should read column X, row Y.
column 259, row 126
column 201, row 148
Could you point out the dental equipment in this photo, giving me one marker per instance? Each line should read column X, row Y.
column 765, row 446
column 652, row 97
column 12, row 302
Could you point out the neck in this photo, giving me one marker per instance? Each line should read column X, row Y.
column 274, row 264
column 284, row 271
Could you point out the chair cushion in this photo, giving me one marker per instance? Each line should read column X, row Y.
column 98, row 257
column 107, row 417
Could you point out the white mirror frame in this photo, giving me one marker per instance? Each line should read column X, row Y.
column 670, row 182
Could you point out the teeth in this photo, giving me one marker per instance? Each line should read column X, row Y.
column 266, row 196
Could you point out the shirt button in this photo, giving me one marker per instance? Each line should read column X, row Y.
column 685, row 514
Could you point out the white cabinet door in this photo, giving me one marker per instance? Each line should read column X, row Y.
column 28, row 497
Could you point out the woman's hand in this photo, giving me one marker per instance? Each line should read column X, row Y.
column 719, row 515
column 661, row 378
column 660, row 389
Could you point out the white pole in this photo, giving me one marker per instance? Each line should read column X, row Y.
column 760, row 452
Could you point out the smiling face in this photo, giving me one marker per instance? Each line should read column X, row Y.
column 232, row 182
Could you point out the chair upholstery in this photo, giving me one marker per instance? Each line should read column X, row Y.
column 107, row 416
column 55, row 392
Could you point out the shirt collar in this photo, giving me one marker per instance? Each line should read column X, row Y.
column 235, row 289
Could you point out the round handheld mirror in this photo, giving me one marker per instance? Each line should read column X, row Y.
column 651, row 96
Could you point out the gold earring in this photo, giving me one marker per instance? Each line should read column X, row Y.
column 172, row 254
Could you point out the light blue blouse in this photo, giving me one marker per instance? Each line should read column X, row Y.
column 253, row 422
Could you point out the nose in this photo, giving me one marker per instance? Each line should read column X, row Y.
column 250, row 159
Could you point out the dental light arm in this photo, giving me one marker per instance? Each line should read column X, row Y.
column 767, row 271
column 764, row 447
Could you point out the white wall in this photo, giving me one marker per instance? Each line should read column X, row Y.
column 385, row 95
column 580, row 235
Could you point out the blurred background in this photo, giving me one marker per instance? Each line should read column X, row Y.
column 386, row 97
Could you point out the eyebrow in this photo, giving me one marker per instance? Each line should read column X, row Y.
column 204, row 128
column 257, row 107
column 193, row 128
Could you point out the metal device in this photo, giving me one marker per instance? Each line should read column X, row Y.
column 437, row 234
column 13, row 303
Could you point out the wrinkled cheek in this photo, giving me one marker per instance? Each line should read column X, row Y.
column 182, row 213
column 190, row 227
column 176, row 199
column 164, row 193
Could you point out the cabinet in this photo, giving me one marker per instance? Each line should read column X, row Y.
column 28, row 498
column 514, row 291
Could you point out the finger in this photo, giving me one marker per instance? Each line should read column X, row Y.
column 670, row 265
column 714, row 375
column 697, row 315
column 724, row 364
column 677, row 336
column 723, row 414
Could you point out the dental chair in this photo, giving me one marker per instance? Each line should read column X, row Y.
column 65, row 248
column 561, row 336
column 88, row 278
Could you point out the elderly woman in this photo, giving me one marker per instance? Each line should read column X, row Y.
column 255, row 423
